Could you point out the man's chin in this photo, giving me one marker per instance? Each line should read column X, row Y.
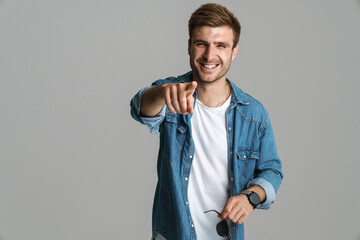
column 206, row 78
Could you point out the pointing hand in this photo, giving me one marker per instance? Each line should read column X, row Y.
column 179, row 97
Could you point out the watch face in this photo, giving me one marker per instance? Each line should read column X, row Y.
column 254, row 199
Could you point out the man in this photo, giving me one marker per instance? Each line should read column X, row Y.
column 217, row 148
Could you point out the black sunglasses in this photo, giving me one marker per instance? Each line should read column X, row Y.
column 222, row 228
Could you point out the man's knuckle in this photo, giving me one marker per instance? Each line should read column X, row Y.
column 227, row 209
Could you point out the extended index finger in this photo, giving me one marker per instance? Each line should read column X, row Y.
column 190, row 88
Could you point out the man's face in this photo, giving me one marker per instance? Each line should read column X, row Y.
column 211, row 52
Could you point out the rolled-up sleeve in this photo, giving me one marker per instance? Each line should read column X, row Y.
column 268, row 173
column 153, row 123
column 269, row 190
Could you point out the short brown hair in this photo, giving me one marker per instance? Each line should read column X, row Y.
column 214, row 15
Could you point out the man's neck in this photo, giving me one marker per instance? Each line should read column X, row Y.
column 213, row 94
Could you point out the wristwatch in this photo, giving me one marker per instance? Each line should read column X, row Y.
column 253, row 197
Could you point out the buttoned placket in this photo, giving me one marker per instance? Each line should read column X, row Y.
column 186, row 175
column 230, row 134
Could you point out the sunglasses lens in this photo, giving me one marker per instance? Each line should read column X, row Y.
column 222, row 228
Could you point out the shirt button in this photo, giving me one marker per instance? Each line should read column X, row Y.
column 190, row 156
column 231, row 152
column 186, row 179
column 187, row 203
column 233, row 228
column 229, row 128
column 244, row 156
column 192, row 225
column 232, row 179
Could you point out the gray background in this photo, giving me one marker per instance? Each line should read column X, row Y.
column 74, row 165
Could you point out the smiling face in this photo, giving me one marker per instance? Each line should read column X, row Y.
column 211, row 52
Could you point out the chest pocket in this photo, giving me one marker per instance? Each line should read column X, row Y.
column 245, row 164
column 174, row 137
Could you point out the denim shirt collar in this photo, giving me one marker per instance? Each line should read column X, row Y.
column 238, row 95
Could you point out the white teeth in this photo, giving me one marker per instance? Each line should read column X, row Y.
column 209, row 66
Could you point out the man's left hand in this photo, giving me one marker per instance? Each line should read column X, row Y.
column 237, row 209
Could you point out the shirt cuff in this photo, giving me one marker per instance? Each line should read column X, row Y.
column 269, row 190
column 152, row 123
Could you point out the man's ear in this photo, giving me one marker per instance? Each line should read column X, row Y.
column 234, row 52
column 189, row 45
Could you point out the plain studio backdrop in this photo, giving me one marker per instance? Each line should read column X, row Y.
column 74, row 165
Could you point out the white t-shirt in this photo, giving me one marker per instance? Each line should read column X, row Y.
column 209, row 176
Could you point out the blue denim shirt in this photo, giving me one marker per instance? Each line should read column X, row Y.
column 252, row 156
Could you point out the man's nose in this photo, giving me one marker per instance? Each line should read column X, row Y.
column 209, row 53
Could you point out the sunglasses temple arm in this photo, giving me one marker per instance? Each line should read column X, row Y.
column 212, row 211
